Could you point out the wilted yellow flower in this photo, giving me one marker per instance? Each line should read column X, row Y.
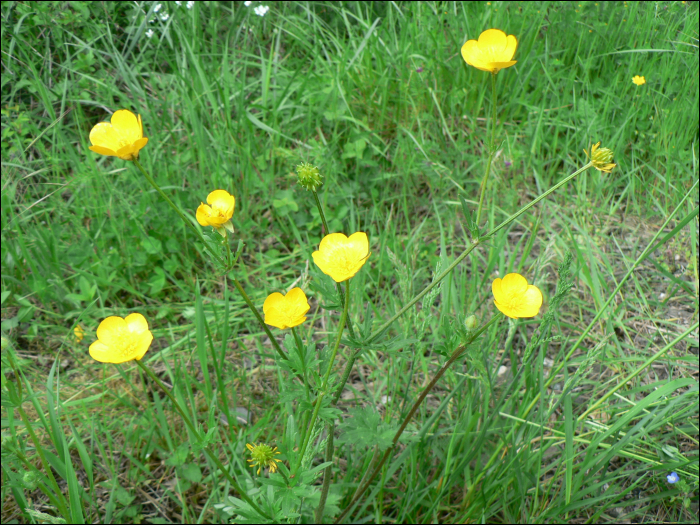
column 122, row 138
column 342, row 257
column 218, row 214
column 121, row 339
column 79, row 333
column 492, row 52
column 263, row 457
column 601, row 158
column 515, row 298
column 286, row 311
column 639, row 80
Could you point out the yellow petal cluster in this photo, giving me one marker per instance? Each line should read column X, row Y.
column 601, row 158
column 639, row 80
column 492, row 52
column 286, row 311
column 122, row 138
column 219, row 211
column 342, row 257
column 79, row 333
column 121, row 339
column 515, row 298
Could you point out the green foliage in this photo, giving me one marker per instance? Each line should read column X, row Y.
column 377, row 96
column 364, row 427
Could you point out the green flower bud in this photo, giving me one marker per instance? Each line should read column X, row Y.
column 309, row 176
column 471, row 322
column 29, row 480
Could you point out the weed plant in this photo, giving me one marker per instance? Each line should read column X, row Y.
column 395, row 390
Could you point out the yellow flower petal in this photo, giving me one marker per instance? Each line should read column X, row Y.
column 110, row 330
column 514, row 283
column 497, row 290
column 103, row 151
column 100, row 352
column 532, row 302
column 203, row 214
column 127, row 124
column 136, row 323
column 342, row 257
column 286, row 311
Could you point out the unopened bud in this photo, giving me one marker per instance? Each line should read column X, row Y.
column 309, row 176
column 29, row 480
column 471, row 322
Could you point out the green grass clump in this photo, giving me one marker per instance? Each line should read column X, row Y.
column 378, row 97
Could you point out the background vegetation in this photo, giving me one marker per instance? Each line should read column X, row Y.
column 378, row 96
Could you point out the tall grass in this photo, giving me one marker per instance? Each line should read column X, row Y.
column 378, row 96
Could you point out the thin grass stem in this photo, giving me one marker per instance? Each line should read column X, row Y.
column 198, row 436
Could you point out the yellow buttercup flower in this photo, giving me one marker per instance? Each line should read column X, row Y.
column 342, row 257
column 122, row 138
column 515, row 298
column 601, row 158
column 286, row 311
column 121, row 339
column 639, row 80
column 219, row 212
column 492, row 52
column 263, row 457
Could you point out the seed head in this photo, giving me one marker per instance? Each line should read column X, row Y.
column 309, row 177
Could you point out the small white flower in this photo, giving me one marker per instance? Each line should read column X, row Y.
column 164, row 16
column 157, row 8
column 178, row 3
column 261, row 10
column 247, row 3
column 190, row 4
column 149, row 33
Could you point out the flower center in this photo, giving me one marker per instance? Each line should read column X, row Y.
column 514, row 302
column 127, row 342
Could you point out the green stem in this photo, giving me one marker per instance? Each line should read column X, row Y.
column 323, row 215
column 318, row 513
column 492, row 150
column 197, row 435
column 302, row 362
column 446, row 272
column 324, row 387
column 455, row 355
column 255, row 311
column 221, row 261
column 327, row 231
column 191, row 226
